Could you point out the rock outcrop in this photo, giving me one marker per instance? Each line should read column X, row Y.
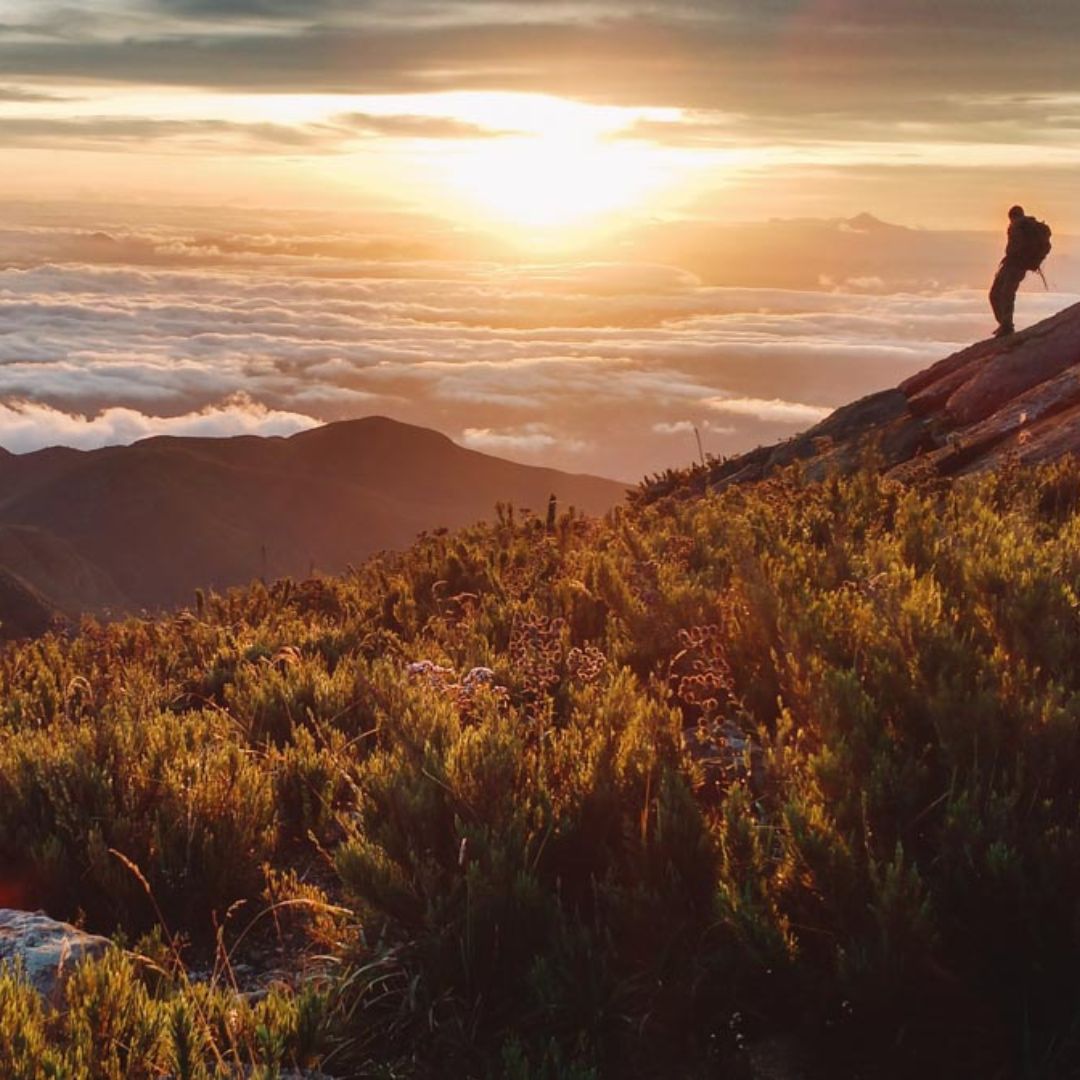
column 1016, row 397
column 46, row 950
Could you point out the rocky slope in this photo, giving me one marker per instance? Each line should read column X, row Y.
column 1016, row 398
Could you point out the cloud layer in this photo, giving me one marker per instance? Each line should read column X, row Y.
column 605, row 367
column 941, row 109
column 908, row 61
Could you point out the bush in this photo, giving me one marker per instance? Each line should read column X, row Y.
column 792, row 765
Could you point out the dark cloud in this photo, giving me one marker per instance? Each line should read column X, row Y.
column 414, row 127
column 227, row 136
column 817, row 56
column 22, row 96
column 315, row 11
column 230, row 9
column 62, row 22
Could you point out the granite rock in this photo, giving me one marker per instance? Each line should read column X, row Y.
column 47, row 950
column 1016, row 396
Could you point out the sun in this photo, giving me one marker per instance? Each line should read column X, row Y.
column 551, row 166
column 554, row 181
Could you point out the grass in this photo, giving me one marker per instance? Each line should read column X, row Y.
column 793, row 764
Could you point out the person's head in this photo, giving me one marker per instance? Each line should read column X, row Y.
column 1015, row 213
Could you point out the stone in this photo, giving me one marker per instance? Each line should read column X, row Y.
column 1011, row 372
column 47, row 950
column 921, row 381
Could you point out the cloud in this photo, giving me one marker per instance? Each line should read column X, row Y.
column 529, row 440
column 134, row 131
column 414, row 127
column 783, row 412
column 22, row 96
column 677, row 427
column 963, row 118
column 688, row 427
column 289, row 10
column 875, row 64
column 334, row 135
column 27, row 426
column 530, row 360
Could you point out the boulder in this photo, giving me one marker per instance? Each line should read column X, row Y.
column 46, row 949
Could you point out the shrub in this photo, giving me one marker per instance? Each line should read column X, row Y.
column 795, row 764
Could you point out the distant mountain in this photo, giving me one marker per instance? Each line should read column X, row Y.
column 861, row 254
column 123, row 528
column 1015, row 398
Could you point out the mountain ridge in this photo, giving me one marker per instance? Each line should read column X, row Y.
column 167, row 514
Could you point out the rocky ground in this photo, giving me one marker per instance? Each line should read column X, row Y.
column 1013, row 398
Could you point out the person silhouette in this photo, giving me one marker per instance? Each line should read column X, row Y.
column 1011, row 271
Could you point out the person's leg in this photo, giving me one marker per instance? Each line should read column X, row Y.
column 1013, row 277
column 995, row 293
column 1003, row 295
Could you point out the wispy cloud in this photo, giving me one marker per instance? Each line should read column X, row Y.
column 21, row 95
column 788, row 412
column 529, row 439
column 26, row 425
column 334, row 135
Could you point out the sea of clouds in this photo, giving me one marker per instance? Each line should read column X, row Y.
column 604, row 367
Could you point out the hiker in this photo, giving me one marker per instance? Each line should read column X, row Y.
column 1027, row 247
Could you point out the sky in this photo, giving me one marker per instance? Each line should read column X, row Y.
column 569, row 231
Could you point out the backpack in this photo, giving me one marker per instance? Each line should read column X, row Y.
column 1036, row 243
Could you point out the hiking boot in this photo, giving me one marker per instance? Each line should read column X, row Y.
column 1004, row 330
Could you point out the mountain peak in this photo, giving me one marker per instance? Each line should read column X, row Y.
column 220, row 511
column 367, row 428
column 867, row 223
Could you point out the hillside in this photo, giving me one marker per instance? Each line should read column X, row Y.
column 1015, row 399
column 778, row 782
column 24, row 612
column 124, row 528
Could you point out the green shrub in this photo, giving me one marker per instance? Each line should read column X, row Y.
column 797, row 763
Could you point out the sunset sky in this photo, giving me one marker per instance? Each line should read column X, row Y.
column 558, row 230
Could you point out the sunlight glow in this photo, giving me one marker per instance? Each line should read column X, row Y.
column 558, row 165
column 553, row 180
column 535, row 168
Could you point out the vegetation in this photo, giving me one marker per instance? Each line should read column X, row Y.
column 785, row 769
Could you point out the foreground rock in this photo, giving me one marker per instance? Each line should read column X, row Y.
column 47, row 950
column 1015, row 398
